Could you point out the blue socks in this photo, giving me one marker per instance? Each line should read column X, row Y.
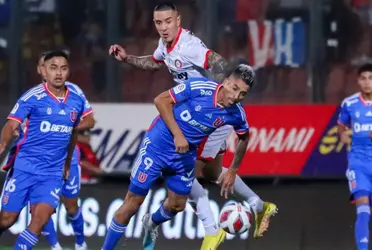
column 26, row 240
column 162, row 215
column 362, row 227
column 77, row 223
column 50, row 233
column 114, row 233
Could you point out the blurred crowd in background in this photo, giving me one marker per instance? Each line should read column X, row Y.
column 246, row 30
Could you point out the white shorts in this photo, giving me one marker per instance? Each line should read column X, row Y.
column 214, row 144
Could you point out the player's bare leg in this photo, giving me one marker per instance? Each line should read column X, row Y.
column 121, row 219
column 7, row 219
column 76, row 217
column 213, row 170
column 172, row 205
column 199, row 201
column 41, row 213
column 49, row 232
column 362, row 203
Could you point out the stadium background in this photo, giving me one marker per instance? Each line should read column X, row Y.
column 305, row 53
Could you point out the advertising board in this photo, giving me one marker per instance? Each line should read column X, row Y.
column 284, row 140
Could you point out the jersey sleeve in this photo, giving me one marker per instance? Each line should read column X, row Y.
column 344, row 116
column 243, row 126
column 21, row 109
column 87, row 108
column 189, row 89
column 157, row 56
column 197, row 53
column 181, row 92
column 80, row 111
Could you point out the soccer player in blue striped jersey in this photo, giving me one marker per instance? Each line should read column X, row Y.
column 71, row 188
column 189, row 113
column 356, row 117
column 52, row 113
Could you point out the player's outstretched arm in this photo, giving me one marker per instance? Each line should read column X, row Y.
column 241, row 148
column 140, row 62
column 227, row 179
column 164, row 103
column 217, row 65
column 143, row 62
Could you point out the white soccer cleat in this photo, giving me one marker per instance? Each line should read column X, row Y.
column 151, row 233
column 56, row 247
column 81, row 247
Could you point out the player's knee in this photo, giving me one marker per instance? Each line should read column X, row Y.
column 176, row 204
column 42, row 213
column 130, row 206
column 72, row 210
column 71, row 206
column 7, row 219
column 133, row 199
column 361, row 198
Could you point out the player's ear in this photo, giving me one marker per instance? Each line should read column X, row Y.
column 43, row 72
column 179, row 20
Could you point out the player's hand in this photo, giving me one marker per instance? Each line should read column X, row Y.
column 345, row 138
column 182, row 145
column 66, row 173
column 118, row 52
column 227, row 181
column 97, row 171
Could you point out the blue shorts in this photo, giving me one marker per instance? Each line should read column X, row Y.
column 151, row 163
column 359, row 178
column 71, row 187
column 21, row 187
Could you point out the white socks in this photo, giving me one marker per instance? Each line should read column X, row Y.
column 246, row 193
column 200, row 202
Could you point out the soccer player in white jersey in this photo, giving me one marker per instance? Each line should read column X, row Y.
column 186, row 56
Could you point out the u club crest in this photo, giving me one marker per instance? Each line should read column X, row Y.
column 73, row 115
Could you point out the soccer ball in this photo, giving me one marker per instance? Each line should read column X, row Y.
column 235, row 218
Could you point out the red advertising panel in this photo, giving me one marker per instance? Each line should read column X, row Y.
column 281, row 138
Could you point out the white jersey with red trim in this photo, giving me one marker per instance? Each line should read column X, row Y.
column 186, row 58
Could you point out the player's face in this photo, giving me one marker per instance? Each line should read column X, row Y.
column 235, row 91
column 167, row 23
column 365, row 82
column 55, row 71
